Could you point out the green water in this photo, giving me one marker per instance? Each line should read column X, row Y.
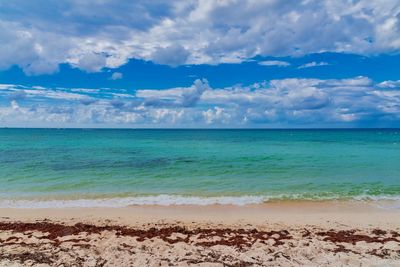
column 294, row 164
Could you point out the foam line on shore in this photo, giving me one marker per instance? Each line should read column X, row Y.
column 162, row 200
column 167, row 200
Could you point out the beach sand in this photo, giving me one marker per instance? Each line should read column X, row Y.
column 273, row 234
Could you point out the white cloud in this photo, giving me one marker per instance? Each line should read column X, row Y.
column 38, row 92
column 277, row 63
column 217, row 116
column 91, row 62
column 173, row 55
column 94, row 34
column 389, row 84
column 277, row 103
column 313, row 64
column 116, row 76
column 175, row 96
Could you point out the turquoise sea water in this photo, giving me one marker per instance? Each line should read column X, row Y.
column 74, row 167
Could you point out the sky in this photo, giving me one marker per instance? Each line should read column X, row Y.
column 200, row 64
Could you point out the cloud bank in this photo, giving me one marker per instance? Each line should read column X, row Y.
column 92, row 35
column 293, row 102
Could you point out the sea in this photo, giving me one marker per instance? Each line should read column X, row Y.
column 122, row 167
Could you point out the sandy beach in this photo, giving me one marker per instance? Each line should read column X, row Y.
column 274, row 234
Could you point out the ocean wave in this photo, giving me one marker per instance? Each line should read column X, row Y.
column 168, row 200
column 162, row 200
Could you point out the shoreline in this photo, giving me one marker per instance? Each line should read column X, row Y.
column 184, row 200
column 292, row 212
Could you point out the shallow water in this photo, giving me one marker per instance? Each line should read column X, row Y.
column 122, row 167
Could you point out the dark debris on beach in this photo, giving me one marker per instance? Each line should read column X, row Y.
column 53, row 236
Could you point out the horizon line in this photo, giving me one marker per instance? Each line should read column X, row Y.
column 194, row 128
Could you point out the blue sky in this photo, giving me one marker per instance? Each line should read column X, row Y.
column 206, row 64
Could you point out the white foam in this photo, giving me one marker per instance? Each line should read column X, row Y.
column 376, row 198
column 167, row 200
column 162, row 200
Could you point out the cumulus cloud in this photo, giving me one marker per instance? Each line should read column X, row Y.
column 173, row 55
column 91, row 62
column 216, row 115
column 291, row 102
column 34, row 51
column 313, row 64
column 96, row 34
column 277, row 63
column 185, row 97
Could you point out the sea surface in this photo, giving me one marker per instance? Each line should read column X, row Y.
column 87, row 167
